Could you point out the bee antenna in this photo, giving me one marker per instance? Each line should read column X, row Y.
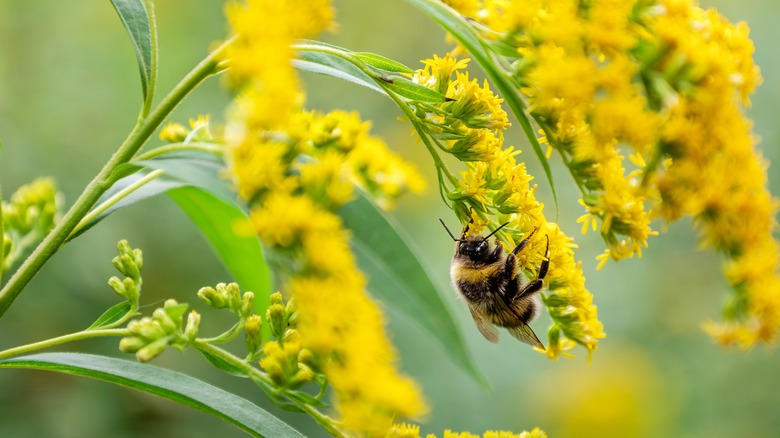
column 448, row 231
column 495, row 231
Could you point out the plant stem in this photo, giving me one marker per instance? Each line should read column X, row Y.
column 84, row 334
column 327, row 423
column 102, row 182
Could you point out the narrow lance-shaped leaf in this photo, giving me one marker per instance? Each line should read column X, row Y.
column 136, row 19
column 163, row 383
column 113, row 314
column 382, row 63
column 242, row 254
column 398, row 277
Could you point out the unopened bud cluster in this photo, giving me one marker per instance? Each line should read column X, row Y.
column 151, row 335
column 228, row 296
column 285, row 361
column 129, row 263
column 31, row 213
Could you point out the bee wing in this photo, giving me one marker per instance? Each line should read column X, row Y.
column 524, row 333
column 488, row 330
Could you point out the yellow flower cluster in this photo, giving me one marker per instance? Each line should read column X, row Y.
column 413, row 431
column 662, row 82
column 30, row 214
column 469, row 127
column 295, row 169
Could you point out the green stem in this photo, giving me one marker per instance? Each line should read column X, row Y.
column 327, row 423
column 84, row 334
column 102, row 182
column 97, row 211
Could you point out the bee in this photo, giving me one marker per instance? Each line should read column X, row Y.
column 489, row 283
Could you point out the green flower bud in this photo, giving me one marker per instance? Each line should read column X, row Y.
column 253, row 334
column 164, row 319
column 131, row 344
column 302, row 376
column 212, row 297
column 247, row 304
column 152, row 350
column 146, row 328
column 277, row 319
column 118, row 286
column 191, row 329
column 291, row 335
column 132, row 290
column 276, row 298
column 233, row 294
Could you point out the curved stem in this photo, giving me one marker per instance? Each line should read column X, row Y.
column 328, row 423
column 84, row 334
column 102, row 181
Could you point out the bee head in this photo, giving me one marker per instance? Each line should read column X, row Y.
column 475, row 248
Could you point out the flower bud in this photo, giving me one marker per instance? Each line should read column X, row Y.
column 118, row 286
column 191, row 329
column 247, row 304
column 212, row 297
column 302, row 376
column 276, row 298
column 152, row 350
column 233, row 294
column 131, row 344
column 253, row 334
column 146, row 328
column 173, row 133
column 164, row 319
column 276, row 319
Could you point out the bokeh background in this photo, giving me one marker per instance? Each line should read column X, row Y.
column 69, row 93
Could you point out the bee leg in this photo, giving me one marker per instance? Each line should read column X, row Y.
column 520, row 246
column 536, row 285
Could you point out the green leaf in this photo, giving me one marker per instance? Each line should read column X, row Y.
column 135, row 17
column 459, row 27
column 413, row 91
column 382, row 63
column 148, row 190
column 241, row 254
column 327, row 64
column 199, row 170
column 115, row 313
column 400, row 279
column 193, row 183
column 163, row 383
column 222, row 365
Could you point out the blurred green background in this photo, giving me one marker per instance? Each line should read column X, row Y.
column 70, row 92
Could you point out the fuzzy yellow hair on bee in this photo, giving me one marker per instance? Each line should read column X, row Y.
column 488, row 281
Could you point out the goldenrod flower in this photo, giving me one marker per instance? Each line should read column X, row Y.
column 296, row 168
column 664, row 82
column 495, row 189
column 404, row 430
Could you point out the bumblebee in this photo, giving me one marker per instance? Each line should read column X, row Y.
column 496, row 294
